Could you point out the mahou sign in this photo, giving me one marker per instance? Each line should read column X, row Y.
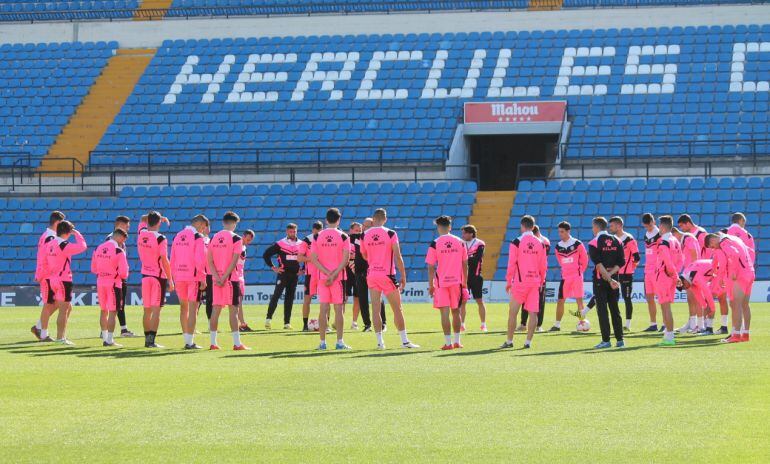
column 520, row 112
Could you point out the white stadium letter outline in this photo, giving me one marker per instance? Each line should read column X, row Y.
column 432, row 90
column 496, row 88
column 366, row 90
column 249, row 75
column 568, row 69
column 186, row 76
column 327, row 78
column 633, row 67
column 737, row 67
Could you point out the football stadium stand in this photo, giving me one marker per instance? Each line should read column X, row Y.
column 577, row 202
column 42, row 86
column 659, row 89
column 92, row 10
column 264, row 208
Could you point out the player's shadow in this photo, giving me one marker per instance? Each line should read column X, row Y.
column 17, row 345
column 388, row 354
column 123, row 353
column 463, row 352
column 56, row 351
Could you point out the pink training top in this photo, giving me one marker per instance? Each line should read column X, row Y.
column 651, row 242
column 40, row 268
column 240, row 266
column 573, row 258
column 59, row 253
column 377, row 246
column 303, row 249
column 700, row 234
column 188, row 256
column 699, row 272
column 690, row 248
column 669, row 256
column 448, row 254
column 109, row 263
column 527, row 261
column 223, row 245
column 738, row 231
column 737, row 255
column 329, row 246
column 630, row 253
column 152, row 246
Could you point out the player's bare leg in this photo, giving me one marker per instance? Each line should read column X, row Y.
column 653, row 311
column 356, row 312
column 323, row 323
column 446, row 327
column 531, row 328
column 724, row 311
column 214, row 326
column 376, row 301
column 61, row 321
column 668, row 323
column 394, row 300
column 692, row 308
column 339, row 323
column 457, row 325
column 513, row 314
column 235, row 327
column 107, row 324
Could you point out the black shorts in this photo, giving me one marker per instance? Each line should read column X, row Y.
column 206, row 296
column 350, row 283
column 120, row 303
column 51, row 297
column 237, row 294
column 560, row 296
column 476, row 286
column 307, row 284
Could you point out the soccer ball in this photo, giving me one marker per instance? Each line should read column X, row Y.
column 312, row 325
column 583, row 326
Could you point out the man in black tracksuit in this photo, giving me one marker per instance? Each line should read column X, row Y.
column 606, row 252
column 288, row 269
column 361, row 287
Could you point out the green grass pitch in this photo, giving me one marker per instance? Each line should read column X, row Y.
column 700, row 401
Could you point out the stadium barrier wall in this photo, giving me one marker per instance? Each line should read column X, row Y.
column 415, row 292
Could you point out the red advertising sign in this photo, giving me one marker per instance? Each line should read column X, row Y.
column 515, row 112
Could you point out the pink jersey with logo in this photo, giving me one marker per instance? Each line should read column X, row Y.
column 690, row 248
column 699, row 272
column 651, row 241
column 630, row 252
column 304, row 250
column 40, row 268
column 109, row 263
column 736, row 254
column 377, row 244
column 240, row 267
column 573, row 258
column 447, row 253
column 747, row 239
column 223, row 245
column 669, row 256
column 700, row 234
column 527, row 261
column 329, row 246
column 188, row 256
column 152, row 246
column 59, row 253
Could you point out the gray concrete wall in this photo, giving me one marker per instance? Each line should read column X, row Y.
column 133, row 34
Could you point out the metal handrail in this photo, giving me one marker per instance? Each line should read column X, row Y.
column 110, row 182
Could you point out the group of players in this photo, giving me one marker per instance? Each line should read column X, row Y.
column 364, row 264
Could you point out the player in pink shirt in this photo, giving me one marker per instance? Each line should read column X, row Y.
column 626, row 272
column 690, row 253
column 311, row 277
column 330, row 254
column 475, row 284
column 110, row 265
column 240, row 268
column 156, row 274
column 541, row 298
column 58, row 260
column 739, row 277
column 737, row 229
column 380, row 248
column 686, row 224
column 573, row 260
column 527, row 267
column 188, row 267
column 224, row 251
column 696, row 279
column 447, row 261
column 669, row 261
column 651, row 241
column 40, row 329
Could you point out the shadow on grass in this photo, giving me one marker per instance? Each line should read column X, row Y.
column 464, row 352
column 389, row 354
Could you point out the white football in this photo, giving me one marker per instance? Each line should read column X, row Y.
column 583, row 326
column 312, row 324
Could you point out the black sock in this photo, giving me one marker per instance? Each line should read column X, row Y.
column 304, row 323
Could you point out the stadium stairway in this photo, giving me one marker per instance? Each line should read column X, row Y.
column 98, row 109
column 490, row 216
column 540, row 5
column 152, row 10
